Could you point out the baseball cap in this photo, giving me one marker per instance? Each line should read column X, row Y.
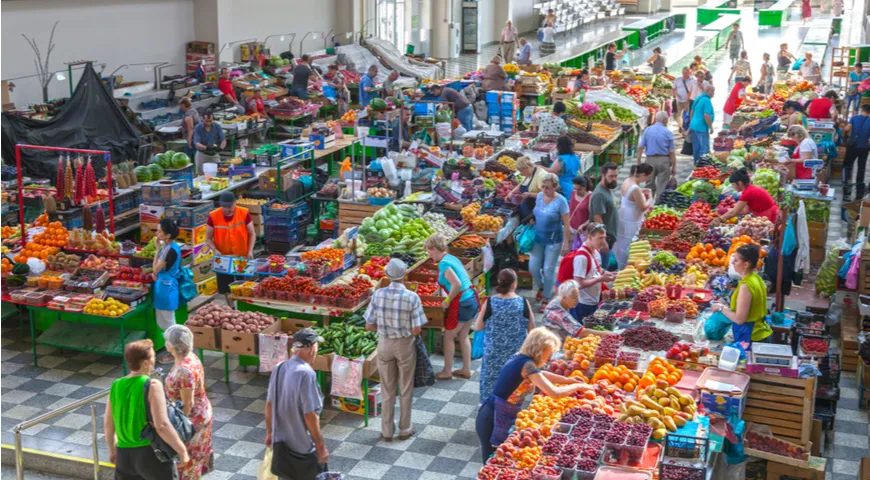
column 305, row 338
column 227, row 199
column 395, row 269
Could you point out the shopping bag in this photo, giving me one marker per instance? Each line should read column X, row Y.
column 347, row 376
column 264, row 470
column 273, row 350
column 716, row 326
column 477, row 345
column 525, row 238
column 186, row 288
column 424, row 374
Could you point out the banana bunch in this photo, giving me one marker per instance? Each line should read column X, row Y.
column 626, row 277
column 696, row 279
column 661, row 279
column 639, row 251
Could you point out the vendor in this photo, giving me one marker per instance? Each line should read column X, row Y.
column 494, row 76
column 749, row 301
column 824, row 108
column 530, row 186
column 519, row 377
column 611, row 56
column 400, row 128
column 793, row 112
column 165, row 265
column 806, row 150
column 230, row 232
column 225, row 85
column 582, row 82
column 810, row 70
column 753, row 199
column 299, row 87
column 784, row 59
column 559, row 316
column 367, row 86
column 462, row 108
column 208, row 138
column 389, row 91
column 335, row 79
column 551, row 124
column 736, row 98
column 255, row 104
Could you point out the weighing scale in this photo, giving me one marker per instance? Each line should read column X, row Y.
column 767, row 354
column 809, row 184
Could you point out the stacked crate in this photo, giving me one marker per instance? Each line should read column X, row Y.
column 501, row 110
column 849, row 337
column 286, row 224
column 192, row 220
column 202, row 52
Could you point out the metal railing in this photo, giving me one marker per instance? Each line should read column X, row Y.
column 19, row 455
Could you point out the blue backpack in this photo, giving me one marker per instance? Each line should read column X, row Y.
column 186, row 288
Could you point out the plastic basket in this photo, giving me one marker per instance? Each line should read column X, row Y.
column 685, row 446
column 291, row 211
column 300, row 221
column 380, row 201
column 283, row 233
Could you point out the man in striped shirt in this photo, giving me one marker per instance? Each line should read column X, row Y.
column 396, row 313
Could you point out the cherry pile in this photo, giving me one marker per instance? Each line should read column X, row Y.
column 814, row 346
column 587, row 465
column 555, row 444
column 671, row 470
column 648, row 338
column 608, row 348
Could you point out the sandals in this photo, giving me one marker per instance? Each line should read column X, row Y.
column 461, row 374
column 443, row 376
column 540, row 295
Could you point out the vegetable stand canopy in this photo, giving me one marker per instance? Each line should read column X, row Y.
column 90, row 120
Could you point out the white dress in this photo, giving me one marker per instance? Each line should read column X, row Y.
column 630, row 221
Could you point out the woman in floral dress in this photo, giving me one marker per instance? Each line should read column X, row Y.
column 506, row 318
column 186, row 382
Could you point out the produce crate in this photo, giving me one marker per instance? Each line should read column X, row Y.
column 206, row 338
column 190, row 214
column 353, row 214
column 283, row 233
column 241, row 343
column 184, row 174
column 849, row 340
column 784, row 404
column 294, row 210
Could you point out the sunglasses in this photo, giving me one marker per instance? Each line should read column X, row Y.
column 597, row 227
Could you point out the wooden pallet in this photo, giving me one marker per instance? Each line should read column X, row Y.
column 783, row 404
column 849, row 340
column 353, row 214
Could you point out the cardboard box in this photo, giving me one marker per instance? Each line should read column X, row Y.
column 207, row 287
column 353, row 405
column 233, row 265
column 268, row 182
column 289, row 326
column 190, row 214
column 530, row 68
column 202, row 271
column 864, row 471
column 563, row 81
column 817, row 255
column 557, row 97
column 322, row 142
column 147, row 231
column 260, row 230
column 202, row 254
column 165, row 192
column 192, row 236
column 257, row 218
column 151, row 213
column 241, row 343
column 197, row 46
column 206, row 338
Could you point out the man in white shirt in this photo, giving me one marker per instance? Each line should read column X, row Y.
column 682, row 93
column 588, row 271
column 810, row 70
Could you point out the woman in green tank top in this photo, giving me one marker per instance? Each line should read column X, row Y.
column 749, row 300
column 126, row 416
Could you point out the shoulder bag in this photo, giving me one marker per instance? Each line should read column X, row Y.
column 285, row 462
column 182, row 425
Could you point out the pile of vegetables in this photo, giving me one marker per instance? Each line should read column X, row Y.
column 768, row 180
column 222, row 316
column 757, row 228
column 826, row 279
column 675, row 198
column 347, row 339
column 662, row 221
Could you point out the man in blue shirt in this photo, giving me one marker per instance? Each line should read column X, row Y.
column 400, row 135
column 701, row 124
column 658, row 143
column 525, row 55
column 208, row 139
column 852, row 95
column 858, row 131
column 367, row 86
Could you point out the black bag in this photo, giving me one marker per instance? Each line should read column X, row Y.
column 424, row 374
column 179, row 421
column 285, row 462
column 687, row 147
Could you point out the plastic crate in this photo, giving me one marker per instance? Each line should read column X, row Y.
column 686, row 447
column 294, row 210
column 671, row 469
column 286, row 221
column 283, row 233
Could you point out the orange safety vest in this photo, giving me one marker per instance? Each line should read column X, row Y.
column 231, row 238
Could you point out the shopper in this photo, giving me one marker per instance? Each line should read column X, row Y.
column 765, row 83
column 602, row 207
column 530, row 186
column 301, row 74
column 824, row 108
column 189, row 120
column 749, row 301
column 742, row 68
column 508, row 42
column 551, row 124
column 209, row 140
column 697, row 89
column 399, row 128
column 735, row 99
column 793, row 112
column 582, row 82
column 230, row 231
column 552, row 237
column 566, row 165
column 525, row 54
column 588, row 271
column 701, row 123
column 806, row 10
column 858, row 133
column 559, row 315
column 611, row 56
column 550, row 18
column 165, row 268
column 734, row 44
column 682, row 94
column 125, row 417
column 634, row 204
column 657, row 61
column 506, row 318
column 520, row 376
column 810, row 70
column 753, row 199
column 292, row 411
column 185, row 382
column 462, row 108
column 853, row 96
column 784, row 59
column 806, row 150
column 578, row 207
column 396, row 313
column 335, row 79
column 453, row 278
column 657, row 141
column 548, row 40
column 225, row 85
column 494, row 76
column 367, row 86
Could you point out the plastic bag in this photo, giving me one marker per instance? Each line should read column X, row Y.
column 852, row 274
column 264, row 470
column 273, row 350
column 477, row 345
column 803, row 238
column 716, row 326
column 347, row 377
column 525, row 238
column 789, row 240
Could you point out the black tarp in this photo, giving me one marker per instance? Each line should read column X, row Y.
column 91, row 119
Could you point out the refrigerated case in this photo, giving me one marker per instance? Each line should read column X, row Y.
column 470, row 27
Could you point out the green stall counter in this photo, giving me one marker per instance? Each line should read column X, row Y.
column 707, row 15
column 654, row 27
column 775, row 15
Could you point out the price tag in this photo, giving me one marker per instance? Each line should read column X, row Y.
column 612, row 115
column 363, row 114
column 414, row 145
column 243, row 142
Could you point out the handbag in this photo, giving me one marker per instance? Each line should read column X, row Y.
column 687, row 148
column 182, row 425
column 424, row 374
column 285, row 462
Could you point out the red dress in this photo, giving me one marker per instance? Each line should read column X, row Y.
column 190, row 375
column 734, row 100
column 820, row 108
column 806, row 10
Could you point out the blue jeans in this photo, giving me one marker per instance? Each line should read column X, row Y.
column 543, row 260
column 301, row 93
column 700, row 144
column 850, row 99
column 466, row 118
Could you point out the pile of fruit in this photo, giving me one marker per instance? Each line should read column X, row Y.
column 470, row 241
column 662, row 407
column 544, row 413
column 620, row 377
column 738, row 242
column 508, row 162
column 758, row 228
column 628, row 277
column 684, row 351
column 132, row 274
column 106, row 308
column 581, row 349
column 521, row 449
column 224, row 317
column 374, row 267
column 767, row 443
column 649, row 338
column 349, row 116
column 715, row 257
column 486, row 223
column 94, row 262
column 638, row 252
column 706, row 172
column 662, row 221
column 470, row 211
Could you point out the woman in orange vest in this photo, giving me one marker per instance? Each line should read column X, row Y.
column 230, row 232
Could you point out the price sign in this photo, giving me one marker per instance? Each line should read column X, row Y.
column 612, row 115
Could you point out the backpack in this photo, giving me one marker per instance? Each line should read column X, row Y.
column 186, row 288
column 566, row 266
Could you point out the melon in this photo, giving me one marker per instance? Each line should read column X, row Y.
column 156, row 171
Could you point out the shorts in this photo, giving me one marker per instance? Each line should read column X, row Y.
column 224, row 281
column 165, row 318
column 468, row 310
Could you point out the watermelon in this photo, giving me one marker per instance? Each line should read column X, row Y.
column 395, row 101
column 143, row 173
column 378, row 105
column 180, row 160
column 156, row 171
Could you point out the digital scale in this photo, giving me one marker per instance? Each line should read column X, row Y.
column 809, row 184
column 772, row 359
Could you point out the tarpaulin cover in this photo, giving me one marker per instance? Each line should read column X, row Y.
column 90, row 120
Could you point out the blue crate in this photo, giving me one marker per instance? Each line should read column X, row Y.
column 185, row 174
column 422, row 108
column 281, row 233
column 492, row 97
column 507, row 98
column 295, row 210
column 286, row 221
